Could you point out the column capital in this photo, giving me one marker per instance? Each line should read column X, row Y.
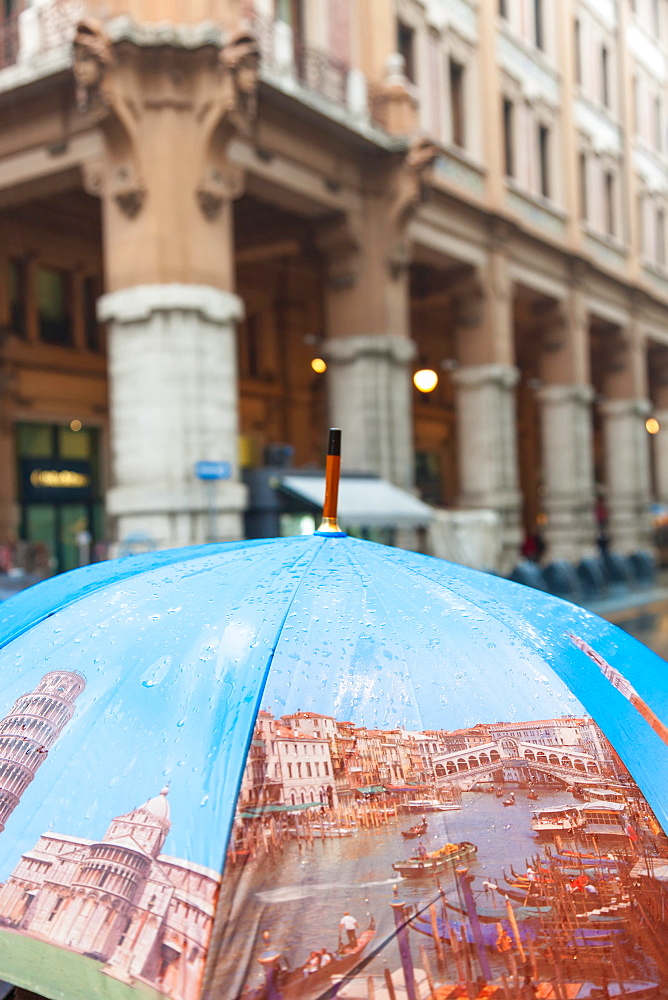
column 344, row 350
column 166, row 94
column 626, row 407
column 554, row 395
column 473, row 376
column 139, row 303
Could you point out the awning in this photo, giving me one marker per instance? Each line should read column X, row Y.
column 364, row 501
column 371, row 789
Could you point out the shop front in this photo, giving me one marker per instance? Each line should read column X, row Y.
column 59, row 494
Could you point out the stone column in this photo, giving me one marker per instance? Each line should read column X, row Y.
column 658, row 365
column 627, row 474
column 487, row 444
column 170, row 99
column 568, row 470
column 626, row 441
column 485, row 382
column 173, row 402
column 661, row 456
column 8, row 464
column 370, row 400
column 369, row 349
column 566, row 428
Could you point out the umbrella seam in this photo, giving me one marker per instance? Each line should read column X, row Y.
column 251, row 729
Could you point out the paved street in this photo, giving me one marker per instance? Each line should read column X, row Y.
column 643, row 615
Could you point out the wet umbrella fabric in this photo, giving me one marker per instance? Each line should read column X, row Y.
column 153, row 704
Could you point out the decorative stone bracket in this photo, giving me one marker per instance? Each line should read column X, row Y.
column 344, row 239
column 129, row 75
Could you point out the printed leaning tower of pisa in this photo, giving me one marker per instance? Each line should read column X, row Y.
column 30, row 730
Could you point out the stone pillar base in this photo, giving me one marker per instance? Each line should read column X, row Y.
column 488, row 449
column 370, row 400
column 173, row 402
column 570, row 532
column 660, row 444
column 627, row 474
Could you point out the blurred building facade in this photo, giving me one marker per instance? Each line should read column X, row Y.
column 200, row 197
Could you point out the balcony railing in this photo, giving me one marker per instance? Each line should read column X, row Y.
column 9, row 40
column 35, row 31
column 57, row 21
column 289, row 59
column 320, row 72
column 285, row 58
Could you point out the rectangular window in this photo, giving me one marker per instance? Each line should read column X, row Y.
column 538, row 35
column 17, row 296
column 657, row 123
column 605, row 77
column 92, row 290
column 508, row 144
column 583, row 187
column 640, row 210
column 503, row 8
column 406, row 47
column 660, row 238
column 544, row 160
column 609, row 196
column 456, row 75
column 577, row 43
column 53, row 306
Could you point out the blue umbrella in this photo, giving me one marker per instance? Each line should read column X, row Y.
column 208, row 757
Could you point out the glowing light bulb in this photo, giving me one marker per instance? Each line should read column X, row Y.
column 425, row 380
column 652, row 425
column 319, row 366
column 75, row 425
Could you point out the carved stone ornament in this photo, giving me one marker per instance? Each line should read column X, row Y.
column 241, row 60
column 469, row 305
column 409, row 190
column 128, row 193
column 218, row 186
column 92, row 55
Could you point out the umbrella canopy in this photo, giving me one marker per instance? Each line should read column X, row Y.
column 209, row 759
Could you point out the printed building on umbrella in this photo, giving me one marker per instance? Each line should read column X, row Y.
column 298, row 765
column 29, row 731
column 146, row 915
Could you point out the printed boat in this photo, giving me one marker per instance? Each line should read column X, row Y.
column 434, row 862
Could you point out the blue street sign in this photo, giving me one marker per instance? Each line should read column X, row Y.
column 213, row 470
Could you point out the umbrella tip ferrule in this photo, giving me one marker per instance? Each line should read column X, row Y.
column 329, row 524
